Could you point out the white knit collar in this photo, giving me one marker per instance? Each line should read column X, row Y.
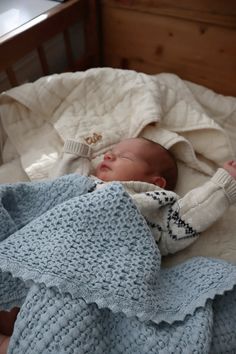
column 135, row 186
column 140, row 187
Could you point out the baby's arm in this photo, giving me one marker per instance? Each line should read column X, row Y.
column 200, row 208
column 4, row 343
column 75, row 157
column 7, row 321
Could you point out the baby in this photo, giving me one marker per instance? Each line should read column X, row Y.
column 149, row 173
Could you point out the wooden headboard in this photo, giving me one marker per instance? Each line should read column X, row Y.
column 195, row 39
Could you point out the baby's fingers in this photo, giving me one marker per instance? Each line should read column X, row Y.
column 231, row 163
column 230, row 167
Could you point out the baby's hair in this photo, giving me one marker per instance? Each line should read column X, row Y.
column 168, row 171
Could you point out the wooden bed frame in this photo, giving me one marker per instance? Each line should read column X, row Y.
column 194, row 39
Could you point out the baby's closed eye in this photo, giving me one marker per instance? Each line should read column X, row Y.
column 126, row 157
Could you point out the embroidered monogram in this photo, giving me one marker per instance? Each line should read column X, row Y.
column 93, row 139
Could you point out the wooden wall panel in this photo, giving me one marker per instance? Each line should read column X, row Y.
column 140, row 38
column 210, row 11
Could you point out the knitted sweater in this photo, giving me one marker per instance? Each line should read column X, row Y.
column 175, row 222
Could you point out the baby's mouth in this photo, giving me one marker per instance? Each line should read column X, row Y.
column 104, row 167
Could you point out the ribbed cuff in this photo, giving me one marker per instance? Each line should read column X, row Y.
column 77, row 148
column 227, row 182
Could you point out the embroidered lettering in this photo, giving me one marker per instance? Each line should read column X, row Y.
column 93, row 139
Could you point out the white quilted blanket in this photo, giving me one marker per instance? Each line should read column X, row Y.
column 102, row 106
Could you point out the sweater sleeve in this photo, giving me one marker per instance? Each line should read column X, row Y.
column 75, row 158
column 196, row 211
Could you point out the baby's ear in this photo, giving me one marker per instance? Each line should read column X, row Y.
column 159, row 181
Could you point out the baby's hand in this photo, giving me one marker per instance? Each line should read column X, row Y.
column 230, row 166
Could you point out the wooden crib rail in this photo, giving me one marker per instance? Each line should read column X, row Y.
column 31, row 36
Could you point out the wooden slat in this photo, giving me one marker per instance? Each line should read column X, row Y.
column 151, row 43
column 11, row 76
column 43, row 60
column 68, row 48
column 92, row 33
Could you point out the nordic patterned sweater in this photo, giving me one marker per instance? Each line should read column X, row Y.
column 175, row 222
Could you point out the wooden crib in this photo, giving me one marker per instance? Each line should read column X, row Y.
column 194, row 39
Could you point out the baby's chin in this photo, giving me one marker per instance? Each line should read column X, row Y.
column 103, row 175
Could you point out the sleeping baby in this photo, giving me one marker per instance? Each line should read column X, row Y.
column 148, row 172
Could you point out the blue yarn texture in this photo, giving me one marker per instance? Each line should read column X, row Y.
column 85, row 269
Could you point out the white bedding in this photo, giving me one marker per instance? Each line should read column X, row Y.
column 103, row 106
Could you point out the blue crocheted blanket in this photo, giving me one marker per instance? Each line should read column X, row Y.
column 84, row 268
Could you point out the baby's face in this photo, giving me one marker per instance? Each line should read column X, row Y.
column 127, row 161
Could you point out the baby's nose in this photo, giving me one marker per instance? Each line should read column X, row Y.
column 109, row 156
